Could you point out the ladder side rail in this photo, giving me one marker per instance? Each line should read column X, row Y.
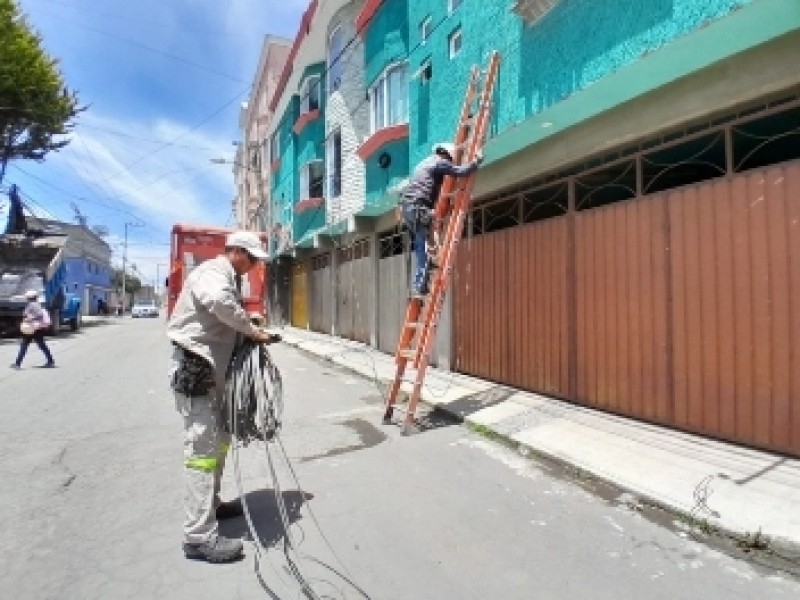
column 439, row 293
column 455, row 226
column 449, row 184
column 407, row 332
column 400, row 358
column 442, row 277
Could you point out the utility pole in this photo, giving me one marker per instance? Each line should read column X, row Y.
column 125, row 260
column 158, row 279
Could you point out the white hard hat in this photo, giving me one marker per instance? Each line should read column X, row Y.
column 446, row 147
column 248, row 241
column 31, row 294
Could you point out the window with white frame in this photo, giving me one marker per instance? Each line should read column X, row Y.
column 309, row 94
column 425, row 28
column 335, row 59
column 453, row 4
column 334, row 167
column 454, row 43
column 389, row 98
column 311, row 180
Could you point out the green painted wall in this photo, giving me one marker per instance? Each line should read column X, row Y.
column 386, row 39
column 379, row 179
column 579, row 43
column 284, row 181
column 311, row 140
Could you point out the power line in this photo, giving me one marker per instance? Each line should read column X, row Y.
column 141, row 139
column 191, row 129
column 73, row 195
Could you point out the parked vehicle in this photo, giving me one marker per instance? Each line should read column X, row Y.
column 191, row 245
column 144, row 309
column 35, row 262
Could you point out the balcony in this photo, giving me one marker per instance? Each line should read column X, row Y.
column 381, row 138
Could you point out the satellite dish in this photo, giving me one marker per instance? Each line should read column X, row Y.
column 100, row 230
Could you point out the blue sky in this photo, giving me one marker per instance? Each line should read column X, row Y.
column 163, row 82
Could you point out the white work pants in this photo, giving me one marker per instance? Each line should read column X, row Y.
column 205, row 446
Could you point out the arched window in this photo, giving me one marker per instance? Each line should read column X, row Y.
column 335, row 59
column 389, row 98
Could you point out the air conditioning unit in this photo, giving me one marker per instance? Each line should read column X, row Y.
column 532, row 11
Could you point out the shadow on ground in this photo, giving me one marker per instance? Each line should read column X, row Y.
column 266, row 516
column 468, row 405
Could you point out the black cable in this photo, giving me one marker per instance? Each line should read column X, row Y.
column 253, row 403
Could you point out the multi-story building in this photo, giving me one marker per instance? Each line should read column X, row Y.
column 251, row 165
column 631, row 241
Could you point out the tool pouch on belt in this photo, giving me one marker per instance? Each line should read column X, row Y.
column 194, row 375
column 415, row 215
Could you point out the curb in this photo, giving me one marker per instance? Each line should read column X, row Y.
column 743, row 541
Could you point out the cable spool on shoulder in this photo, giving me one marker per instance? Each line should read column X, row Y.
column 253, row 394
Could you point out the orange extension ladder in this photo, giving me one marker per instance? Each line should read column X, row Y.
column 422, row 315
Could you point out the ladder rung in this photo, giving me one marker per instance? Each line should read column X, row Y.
column 416, row 325
column 409, row 354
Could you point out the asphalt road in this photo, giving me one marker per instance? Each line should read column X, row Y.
column 90, row 464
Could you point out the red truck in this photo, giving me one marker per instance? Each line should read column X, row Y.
column 192, row 244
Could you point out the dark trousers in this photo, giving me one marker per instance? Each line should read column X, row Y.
column 37, row 337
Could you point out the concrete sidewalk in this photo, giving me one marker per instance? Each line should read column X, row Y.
column 737, row 490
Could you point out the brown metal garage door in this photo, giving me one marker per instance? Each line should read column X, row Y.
column 681, row 307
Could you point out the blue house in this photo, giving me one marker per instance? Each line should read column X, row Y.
column 88, row 260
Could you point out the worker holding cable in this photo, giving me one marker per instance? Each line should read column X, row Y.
column 418, row 205
column 204, row 326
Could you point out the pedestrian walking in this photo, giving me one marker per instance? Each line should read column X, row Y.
column 35, row 321
column 418, row 205
column 205, row 323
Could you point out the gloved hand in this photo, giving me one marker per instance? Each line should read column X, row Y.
column 265, row 337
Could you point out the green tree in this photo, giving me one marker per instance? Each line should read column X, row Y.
column 132, row 283
column 36, row 108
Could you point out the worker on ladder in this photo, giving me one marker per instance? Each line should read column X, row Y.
column 418, row 204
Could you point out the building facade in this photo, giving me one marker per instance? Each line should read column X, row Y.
column 88, row 260
column 251, row 166
column 632, row 242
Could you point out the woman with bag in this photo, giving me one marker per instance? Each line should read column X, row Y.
column 35, row 321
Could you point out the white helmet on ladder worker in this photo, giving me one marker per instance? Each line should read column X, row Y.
column 447, row 148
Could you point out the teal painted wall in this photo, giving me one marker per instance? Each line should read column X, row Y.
column 386, row 39
column 296, row 150
column 284, row 181
column 578, row 43
column 379, row 180
column 311, row 140
column 308, row 222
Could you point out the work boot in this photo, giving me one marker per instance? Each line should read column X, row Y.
column 218, row 549
column 229, row 510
